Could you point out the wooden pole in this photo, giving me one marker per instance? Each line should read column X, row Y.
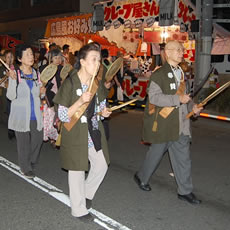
column 208, row 98
column 4, row 64
column 94, row 75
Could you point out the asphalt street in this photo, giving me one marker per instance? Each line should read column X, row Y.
column 26, row 207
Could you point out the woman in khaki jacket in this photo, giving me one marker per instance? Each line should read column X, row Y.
column 86, row 140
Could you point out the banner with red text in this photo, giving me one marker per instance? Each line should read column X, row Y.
column 137, row 12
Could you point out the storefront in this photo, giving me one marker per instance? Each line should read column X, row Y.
column 136, row 27
column 75, row 31
column 128, row 26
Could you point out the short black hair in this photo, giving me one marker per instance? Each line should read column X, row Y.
column 55, row 52
column 104, row 53
column 76, row 53
column 43, row 51
column 42, row 54
column 53, row 44
column 65, row 47
column 19, row 51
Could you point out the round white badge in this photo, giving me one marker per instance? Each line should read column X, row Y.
column 170, row 75
column 79, row 92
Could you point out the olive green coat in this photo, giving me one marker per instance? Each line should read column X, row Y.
column 74, row 143
column 167, row 128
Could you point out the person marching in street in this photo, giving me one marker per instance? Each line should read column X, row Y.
column 65, row 53
column 42, row 60
column 52, row 46
column 86, row 140
column 107, row 85
column 25, row 117
column 9, row 61
column 166, row 126
column 50, row 132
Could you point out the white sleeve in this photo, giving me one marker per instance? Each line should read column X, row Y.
column 11, row 90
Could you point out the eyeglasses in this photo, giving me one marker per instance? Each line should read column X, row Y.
column 179, row 50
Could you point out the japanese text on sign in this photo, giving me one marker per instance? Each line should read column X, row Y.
column 137, row 89
column 70, row 27
column 137, row 12
column 131, row 12
column 186, row 13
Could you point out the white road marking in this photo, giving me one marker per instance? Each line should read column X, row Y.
column 171, row 174
column 58, row 194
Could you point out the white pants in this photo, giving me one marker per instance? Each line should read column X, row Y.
column 81, row 188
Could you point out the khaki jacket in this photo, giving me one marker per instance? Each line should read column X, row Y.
column 167, row 128
column 74, row 143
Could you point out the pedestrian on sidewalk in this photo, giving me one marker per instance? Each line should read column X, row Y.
column 86, row 140
column 166, row 126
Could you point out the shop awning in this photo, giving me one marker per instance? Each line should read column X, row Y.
column 78, row 27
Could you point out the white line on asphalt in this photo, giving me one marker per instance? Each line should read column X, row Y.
column 62, row 197
column 171, row 174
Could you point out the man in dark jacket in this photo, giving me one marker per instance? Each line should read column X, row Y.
column 166, row 126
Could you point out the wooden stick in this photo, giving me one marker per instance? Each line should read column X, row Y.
column 81, row 110
column 208, row 98
column 91, row 83
column 3, row 79
column 4, row 64
column 122, row 105
column 192, row 112
column 216, row 92
column 49, row 61
column 94, row 75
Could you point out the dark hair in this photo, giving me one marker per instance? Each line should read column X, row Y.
column 7, row 52
column 106, row 61
column 104, row 53
column 19, row 51
column 215, row 72
column 65, row 47
column 162, row 46
column 42, row 54
column 53, row 44
column 85, row 50
column 55, row 52
column 76, row 53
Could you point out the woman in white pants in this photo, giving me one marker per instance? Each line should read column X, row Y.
column 86, row 140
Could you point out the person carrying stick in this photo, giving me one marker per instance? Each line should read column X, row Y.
column 25, row 91
column 84, row 140
column 166, row 126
